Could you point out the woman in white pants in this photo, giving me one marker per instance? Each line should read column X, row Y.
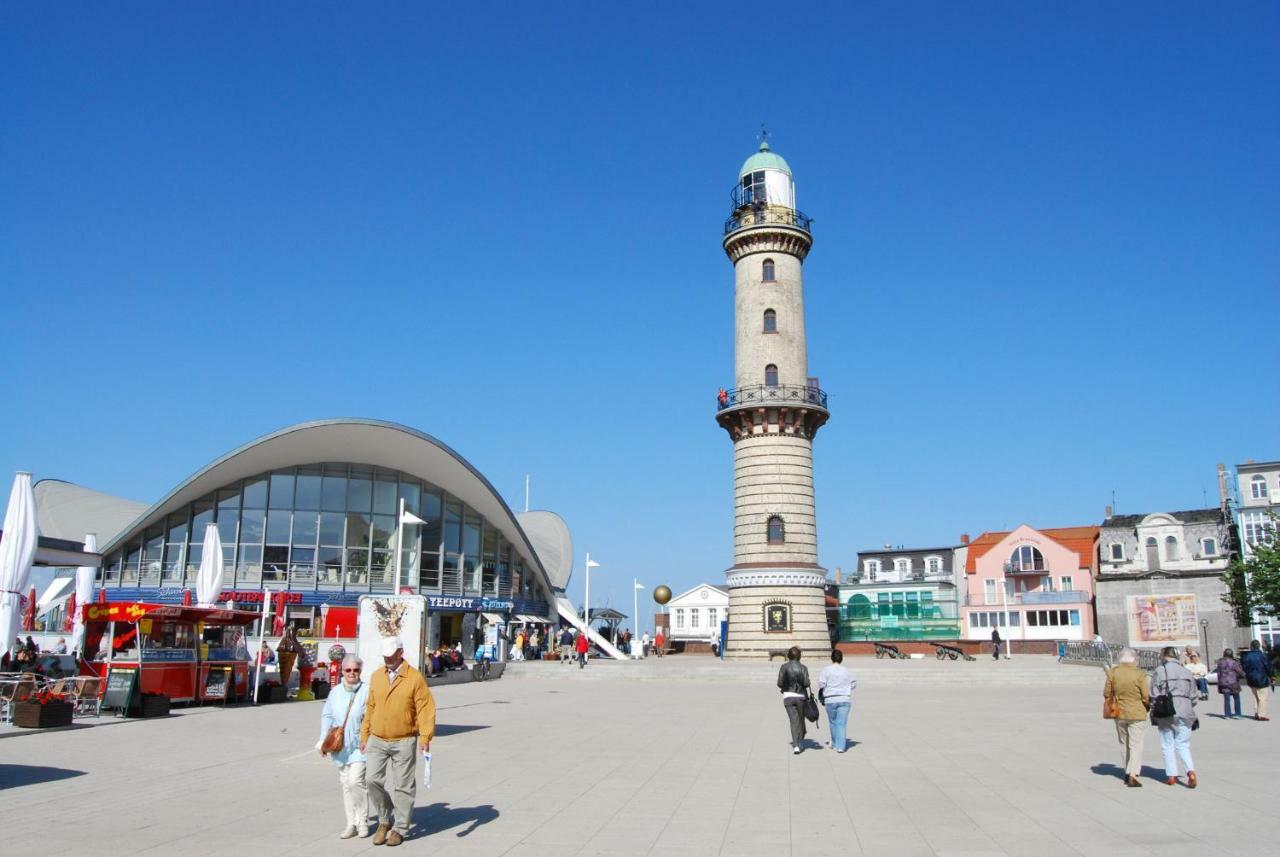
column 345, row 705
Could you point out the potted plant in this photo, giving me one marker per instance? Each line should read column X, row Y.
column 42, row 710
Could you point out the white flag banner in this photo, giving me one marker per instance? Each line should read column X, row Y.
column 409, row 518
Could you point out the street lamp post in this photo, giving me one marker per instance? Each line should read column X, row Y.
column 635, row 611
column 586, row 594
column 1204, row 632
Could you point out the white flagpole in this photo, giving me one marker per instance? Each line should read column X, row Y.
column 399, row 543
column 262, row 633
column 526, row 492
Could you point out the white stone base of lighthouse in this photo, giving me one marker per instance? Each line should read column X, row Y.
column 753, row 625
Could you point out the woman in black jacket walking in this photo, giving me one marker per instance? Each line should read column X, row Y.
column 793, row 681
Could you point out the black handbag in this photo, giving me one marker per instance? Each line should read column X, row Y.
column 1162, row 705
column 811, row 708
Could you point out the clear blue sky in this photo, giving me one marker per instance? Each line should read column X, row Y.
column 1045, row 264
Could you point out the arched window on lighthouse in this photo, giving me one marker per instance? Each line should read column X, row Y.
column 771, row 375
column 777, row 533
column 770, row 321
column 766, row 271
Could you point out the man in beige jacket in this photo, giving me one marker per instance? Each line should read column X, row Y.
column 399, row 717
column 1127, row 685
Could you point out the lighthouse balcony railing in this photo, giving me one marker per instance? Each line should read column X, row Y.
column 763, row 395
column 767, row 215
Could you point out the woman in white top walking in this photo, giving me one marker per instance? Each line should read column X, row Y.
column 835, row 689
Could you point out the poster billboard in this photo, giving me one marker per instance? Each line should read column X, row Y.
column 381, row 616
column 1163, row 620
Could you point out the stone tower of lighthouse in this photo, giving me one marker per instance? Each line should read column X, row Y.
column 772, row 412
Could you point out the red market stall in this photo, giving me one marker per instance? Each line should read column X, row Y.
column 189, row 654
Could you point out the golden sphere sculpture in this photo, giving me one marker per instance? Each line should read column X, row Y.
column 662, row 594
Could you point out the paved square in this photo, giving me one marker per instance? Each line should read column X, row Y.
column 683, row 756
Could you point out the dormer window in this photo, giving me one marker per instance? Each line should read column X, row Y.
column 1026, row 558
column 1171, row 552
column 767, row 272
column 1117, row 552
column 871, row 567
column 1209, row 547
column 902, row 566
column 1258, row 487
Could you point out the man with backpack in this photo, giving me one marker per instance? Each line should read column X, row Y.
column 1257, row 674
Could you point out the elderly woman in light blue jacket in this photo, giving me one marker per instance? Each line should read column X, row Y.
column 345, row 707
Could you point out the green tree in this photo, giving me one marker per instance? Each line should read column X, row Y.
column 1253, row 584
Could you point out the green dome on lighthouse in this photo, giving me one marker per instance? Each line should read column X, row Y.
column 764, row 159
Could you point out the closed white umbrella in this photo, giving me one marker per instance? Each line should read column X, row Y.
column 209, row 580
column 17, row 552
column 84, row 594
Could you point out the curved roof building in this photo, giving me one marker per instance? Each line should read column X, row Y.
column 312, row 510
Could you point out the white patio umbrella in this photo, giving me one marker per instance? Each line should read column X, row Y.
column 17, row 552
column 209, row 580
column 84, row 594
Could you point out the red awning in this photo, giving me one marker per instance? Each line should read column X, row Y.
column 132, row 611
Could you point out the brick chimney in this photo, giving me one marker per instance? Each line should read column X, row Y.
column 837, row 575
column 964, row 538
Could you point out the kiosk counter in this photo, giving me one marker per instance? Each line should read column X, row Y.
column 189, row 654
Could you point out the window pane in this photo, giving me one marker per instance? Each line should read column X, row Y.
column 384, row 496
column 359, row 494
column 255, row 493
column 334, row 494
column 202, row 516
column 304, row 528
column 452, row 527
column 308, row 491
column 410, row 491
column 229, row 500
column 252, row 522
column 177, row 529
column 358, row 530
column 281, row 490
column 332, row 525
column 384, row 527
column 277, row 527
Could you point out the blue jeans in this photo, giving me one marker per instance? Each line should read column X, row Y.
column 838, row 719
column 1176, row 740
column 1202, row 684
column 1227, row 699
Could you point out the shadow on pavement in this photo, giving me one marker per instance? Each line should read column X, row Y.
column 12, row 776
column 443, row 729
column 1106, row 769
column 438, row 817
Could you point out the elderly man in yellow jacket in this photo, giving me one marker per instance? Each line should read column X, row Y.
column 399, row 716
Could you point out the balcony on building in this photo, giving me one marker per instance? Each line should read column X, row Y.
column 1064, row 596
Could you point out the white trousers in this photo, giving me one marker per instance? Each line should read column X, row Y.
column 355, row 795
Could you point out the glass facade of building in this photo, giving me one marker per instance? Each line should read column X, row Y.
column 331, row 528
column 908, row 613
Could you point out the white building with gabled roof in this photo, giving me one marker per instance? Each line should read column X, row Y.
column 695, row 615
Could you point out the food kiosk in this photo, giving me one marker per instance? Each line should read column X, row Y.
column 189, row 654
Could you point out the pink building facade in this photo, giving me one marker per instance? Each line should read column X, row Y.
column 1031, row 584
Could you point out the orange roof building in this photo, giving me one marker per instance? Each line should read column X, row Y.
column 1030, row 584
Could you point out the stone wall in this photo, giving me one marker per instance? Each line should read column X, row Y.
column 773, row 475
column 747, row 637
column 1112, row 599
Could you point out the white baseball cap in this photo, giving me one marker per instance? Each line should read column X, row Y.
column 390, row 645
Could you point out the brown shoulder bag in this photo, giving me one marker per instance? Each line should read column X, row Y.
column 336, row 737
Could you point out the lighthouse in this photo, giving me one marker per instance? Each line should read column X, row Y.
column 771, row 413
